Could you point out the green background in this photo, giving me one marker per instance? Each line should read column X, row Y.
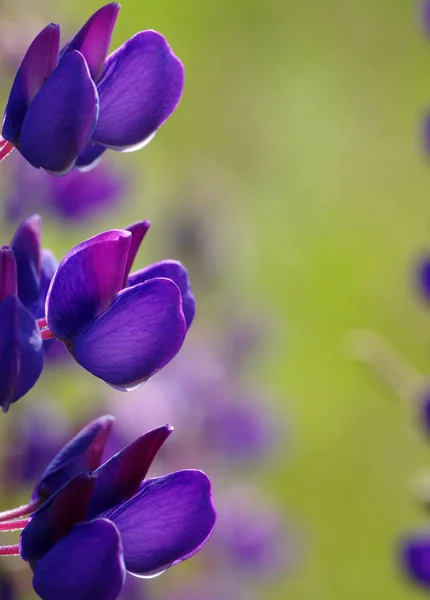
column 299, row 130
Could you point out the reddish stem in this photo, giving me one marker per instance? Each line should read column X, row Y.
column 20, row 511
column 43, row 323
column 5, row 148
column 15, row 525
column 9, row 550
column 47, row 334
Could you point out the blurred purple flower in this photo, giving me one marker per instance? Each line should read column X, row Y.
column 67, row 107
column 74, row 197
column 121, row 327
column 415, row 558
column 103, row 522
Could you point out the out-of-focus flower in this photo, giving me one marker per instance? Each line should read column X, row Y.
column 76, row 196
column 415, row 558
column 66, row 107
column 103, row 522
column 121, row 327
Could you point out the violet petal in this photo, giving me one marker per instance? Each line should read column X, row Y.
column 26, row 248
column 138, row 335
column 86, row 282
column 140, row 88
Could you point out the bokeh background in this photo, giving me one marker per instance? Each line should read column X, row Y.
column 297, row 147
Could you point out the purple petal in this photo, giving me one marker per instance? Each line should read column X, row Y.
column 48, row 267
column 26, row 248
column 88, row 564
column 170, row 269
column 93, row 40
column 423, row 276
column 83, row 453
column 61, row 118
column 86, row 282
column 56, row 517
column 168, row 521
column 21, row 351
column 119, row 478
column 38, row 64
column 415, row 558
column 140, row 88
column 138, row 335
column 138, row 231
column 8, row 278
column 89, row 157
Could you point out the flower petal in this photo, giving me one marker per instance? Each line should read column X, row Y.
column 87, row 564
column 56, row 517
column 81, row 454
column 89, row 157
column 415, row 556
column 21, row 351
column 86, row 282
column 38, row 64
column 138, row 335
column 168, row 521
column 26, row 248
column 119, row 478
column 138, row 231
column 48, row 267
column 61, row 118
column 140, row 88
column 170, row 269
column 8, row 278
column 93, row 40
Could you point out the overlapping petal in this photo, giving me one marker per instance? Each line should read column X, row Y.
column 93, row 39
column 139, row 334
column 21, row 351
column 8, row 276
column 38, row 63
column 26, row 248
column 61, row 118
column 168, row 521
column 174, row 270
column 138, row 232
column 119, row 478
column 89, row 157
column 86, row 282
column 81, row 454
column 94, row 550
column 140, row 88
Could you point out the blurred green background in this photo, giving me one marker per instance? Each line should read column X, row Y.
column 301, row 124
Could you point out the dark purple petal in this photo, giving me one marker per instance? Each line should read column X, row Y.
column 61, row 118
column 26, row 248
column 138, row 335
column 89, row 157
column 21, row 351
column 38, row 63
column 81, row 454
column 87, row 564
column 119, row 478
column 56, row 517
column 140, row 88
column 423, row 277
column 93, row 40
column 86, row 282
column 415, row 558
column 138, row 231
column 8, row 277
column 168, row 521
column 48, row 267
column 170, row 269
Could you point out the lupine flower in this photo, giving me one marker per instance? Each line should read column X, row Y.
column 66, row 107
column 75, row 197
column 100, row 521
column 415, row 558
column 25, row 273
column 121, row 327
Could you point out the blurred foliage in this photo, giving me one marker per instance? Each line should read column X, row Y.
column 302, row 118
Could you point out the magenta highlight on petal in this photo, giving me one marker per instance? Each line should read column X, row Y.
column 67, row 106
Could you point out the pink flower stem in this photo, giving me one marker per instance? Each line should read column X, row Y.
column 20, row 511
column 9, row 550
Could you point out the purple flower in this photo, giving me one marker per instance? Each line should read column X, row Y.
column 25, row 273
column 104, row 522
column 415, row 558
column 121, row 327
column 74, row 197
column 67, row 107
